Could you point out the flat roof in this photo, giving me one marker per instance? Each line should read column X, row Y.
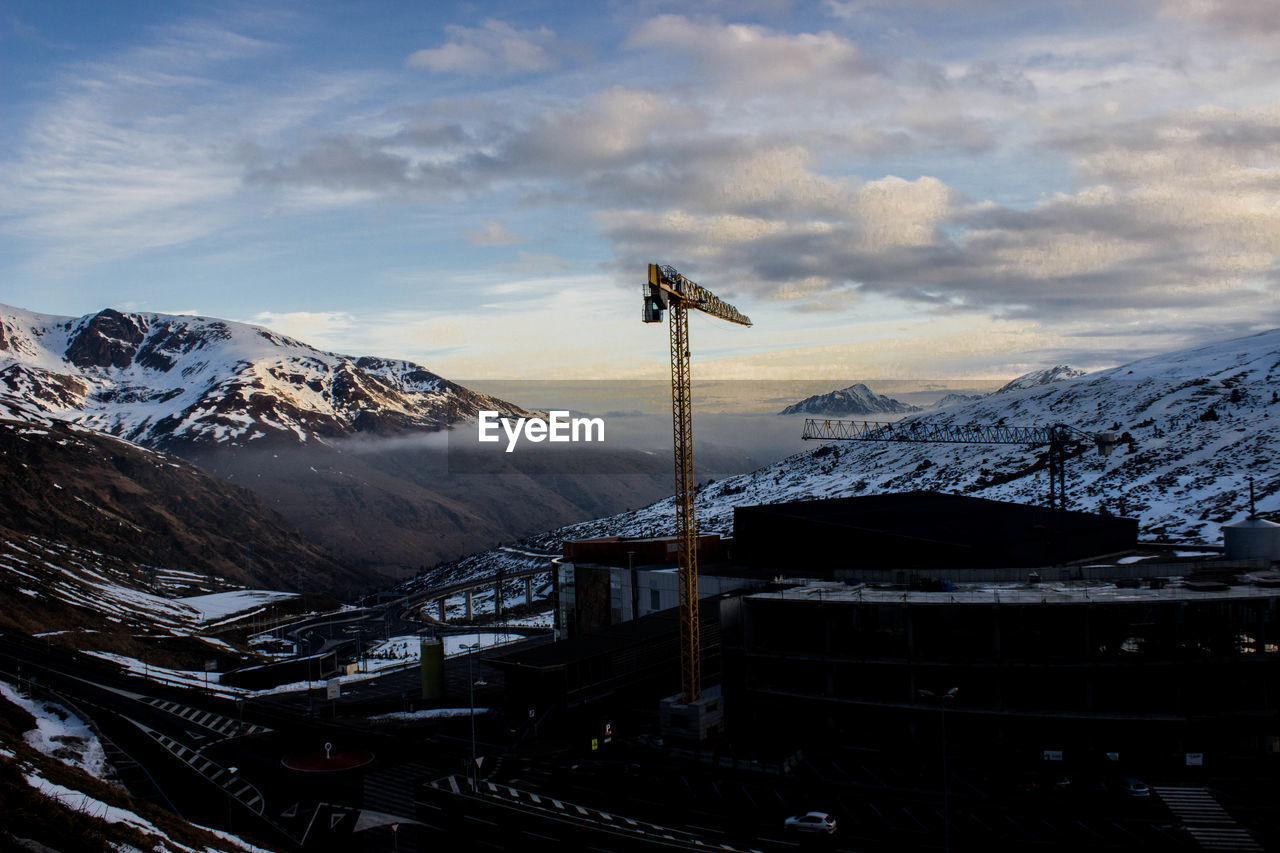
column 653, row 627
column 1054, row 592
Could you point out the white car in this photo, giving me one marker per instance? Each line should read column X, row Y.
column 1134, row 787
column 811, row 822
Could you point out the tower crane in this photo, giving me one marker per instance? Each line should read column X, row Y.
column 667, row 290
column 1061, row 439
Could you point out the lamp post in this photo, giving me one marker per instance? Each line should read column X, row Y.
column 471, row 698
column 942, row 698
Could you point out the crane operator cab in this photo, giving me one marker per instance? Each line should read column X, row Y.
column 655, row 298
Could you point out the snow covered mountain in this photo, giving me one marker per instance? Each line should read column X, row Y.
column 172, row 381
column 857, row 399
column 1194, row 426
column 953, row 399
column 1040, row 377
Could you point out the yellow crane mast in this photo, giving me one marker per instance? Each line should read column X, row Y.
column 668, row 290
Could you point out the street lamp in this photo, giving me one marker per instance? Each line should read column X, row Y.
column 942, row 698
column 471, row 697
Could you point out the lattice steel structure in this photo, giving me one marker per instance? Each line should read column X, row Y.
column 667, row 290
column 1061, row 439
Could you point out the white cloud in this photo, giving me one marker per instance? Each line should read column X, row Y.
column 750, row 58
column 1125, row 166
column 533, row 263
column 897, row 212
column 1249, row 18
column 309, row 326
column 492, row 233
column 136, row 152
column 494, row 47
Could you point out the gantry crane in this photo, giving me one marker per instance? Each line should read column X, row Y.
column 668, row 290
column 1061, row 439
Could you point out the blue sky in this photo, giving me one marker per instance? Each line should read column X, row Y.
column 892, row 189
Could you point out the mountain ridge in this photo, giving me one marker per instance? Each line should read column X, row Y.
column 169, row 381
column 857, row 399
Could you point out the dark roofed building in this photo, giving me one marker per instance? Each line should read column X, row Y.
column 928, row 531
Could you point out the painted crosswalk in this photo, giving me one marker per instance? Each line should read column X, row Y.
column 392, row 790
column 508, row 796
column 224, row 777
column 1206, row 820
column 228, row 727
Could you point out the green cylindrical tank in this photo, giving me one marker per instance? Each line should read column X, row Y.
column 432, row 657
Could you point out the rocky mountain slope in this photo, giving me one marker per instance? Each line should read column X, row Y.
column 90, row 492
column 171, row 382
column 1194, row 426
column 857, row 399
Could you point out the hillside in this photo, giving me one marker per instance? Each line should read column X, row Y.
column 60, row 793
column 88, row 491
column 390, row 510
column 1195, row 425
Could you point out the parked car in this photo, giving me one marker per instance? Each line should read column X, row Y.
column 811, row 822
column 1134, row 787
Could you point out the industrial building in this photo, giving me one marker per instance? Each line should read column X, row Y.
column 849, row 618
column 606, row 581
column 890, row 538
column 1077, row 668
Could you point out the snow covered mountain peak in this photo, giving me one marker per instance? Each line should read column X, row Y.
column 172, row 380
column 857, row 399
column 1040, row 377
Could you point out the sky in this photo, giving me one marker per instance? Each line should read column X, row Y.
column 888, row 188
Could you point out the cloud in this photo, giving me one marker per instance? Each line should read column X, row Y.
column 1249, row 18
column 32, row 35
column 341, row 164
column 795, row 258
column 1065, row 174
column 750, row 58
column 493, row 233
column 535, row 263
column 308, row 326
column 494, row 47
column 132, row 153
column 1158, row 248
column 610, row 132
